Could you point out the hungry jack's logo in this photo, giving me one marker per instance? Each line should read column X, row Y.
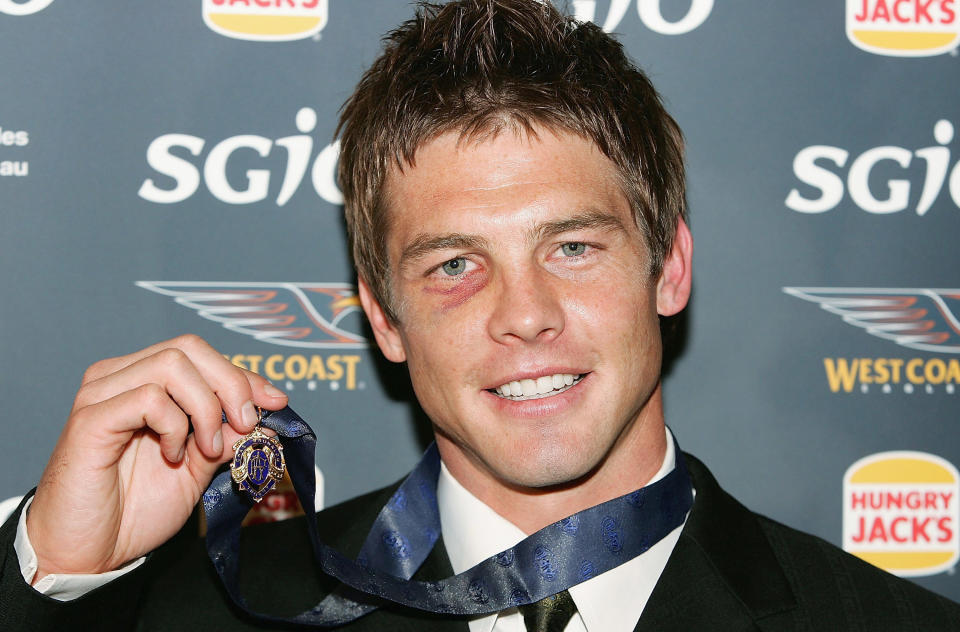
column 266, row 20
column 900, row 512
column 924, row 319
column 308, row 316
column 904, row 28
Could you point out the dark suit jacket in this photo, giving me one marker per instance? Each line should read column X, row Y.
column 731, row 570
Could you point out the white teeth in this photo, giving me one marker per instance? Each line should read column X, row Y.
column 544, row 385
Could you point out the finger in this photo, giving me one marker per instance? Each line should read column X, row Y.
column 265, row 394
column 114, row 420
column 104, row 367
column 182, row 382
column 238, row 390
column 231, row 384
column 202, row 466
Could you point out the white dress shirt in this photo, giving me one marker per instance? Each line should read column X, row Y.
column 609, row 602
column 472, row 532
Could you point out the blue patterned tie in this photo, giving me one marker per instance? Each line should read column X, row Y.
column 545, row 563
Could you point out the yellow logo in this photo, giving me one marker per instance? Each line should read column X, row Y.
column 338, row 371
column 904, row 28
column 900, row 512
column 265, row 20
column 886, row 374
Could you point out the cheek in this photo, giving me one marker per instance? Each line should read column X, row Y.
column 620, row 312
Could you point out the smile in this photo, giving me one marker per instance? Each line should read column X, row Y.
column 544, row 386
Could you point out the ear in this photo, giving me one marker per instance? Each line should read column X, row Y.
column 673, row 288
column 384, row 330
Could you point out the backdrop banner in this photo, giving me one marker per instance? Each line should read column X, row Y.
column 151, row 153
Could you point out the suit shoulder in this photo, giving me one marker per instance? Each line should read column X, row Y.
column 827, row 579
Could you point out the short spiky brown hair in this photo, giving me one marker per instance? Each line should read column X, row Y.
column 477, row 67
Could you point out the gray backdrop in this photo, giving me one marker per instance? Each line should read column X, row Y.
column 146, row 142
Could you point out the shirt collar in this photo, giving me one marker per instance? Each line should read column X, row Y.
column 611, row 601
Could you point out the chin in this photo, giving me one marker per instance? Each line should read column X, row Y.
column 545, row 467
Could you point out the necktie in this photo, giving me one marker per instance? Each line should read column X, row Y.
column 550, row 614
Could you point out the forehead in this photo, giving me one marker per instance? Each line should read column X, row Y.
column 511, row 177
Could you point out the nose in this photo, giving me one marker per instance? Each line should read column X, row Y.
column 528, row 309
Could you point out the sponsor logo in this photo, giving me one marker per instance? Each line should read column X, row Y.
column 14, row 138
column 900, row 512
column 265, row 20
column 649, row 12
column 310, row 316
column 165, row 155
column 915, row 318
column 903, row 28
column 819, row 167
column 23, row 8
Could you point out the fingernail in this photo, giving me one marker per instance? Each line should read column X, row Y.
column 217, row 442
column 273, row 391
column 180, row 453
column 249, row 415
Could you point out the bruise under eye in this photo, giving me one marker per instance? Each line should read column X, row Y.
column 467, row 283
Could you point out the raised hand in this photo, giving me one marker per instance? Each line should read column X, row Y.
column 142, row 442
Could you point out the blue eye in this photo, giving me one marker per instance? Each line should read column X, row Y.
column 573, row 249
column 454, row 267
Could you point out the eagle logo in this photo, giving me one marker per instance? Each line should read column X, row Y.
column 918, row 318
column 306, row 315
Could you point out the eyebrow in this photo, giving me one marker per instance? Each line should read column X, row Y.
column 590, row 219
column 423, row 244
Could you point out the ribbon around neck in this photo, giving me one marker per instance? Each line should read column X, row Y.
column 549, row 561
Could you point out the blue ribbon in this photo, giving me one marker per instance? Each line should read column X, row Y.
column 549, row 561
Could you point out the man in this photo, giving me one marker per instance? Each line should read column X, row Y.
column 515, row 201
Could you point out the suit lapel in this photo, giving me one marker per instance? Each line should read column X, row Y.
column 690, row 595
column 723, row 572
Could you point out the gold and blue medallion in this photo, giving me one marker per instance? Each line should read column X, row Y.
column 257, row 463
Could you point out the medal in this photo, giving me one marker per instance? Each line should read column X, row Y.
column 257, row 462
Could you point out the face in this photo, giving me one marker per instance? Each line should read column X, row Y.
column 527, row 312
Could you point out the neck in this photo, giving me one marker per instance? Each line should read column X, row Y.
column 630, row 463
